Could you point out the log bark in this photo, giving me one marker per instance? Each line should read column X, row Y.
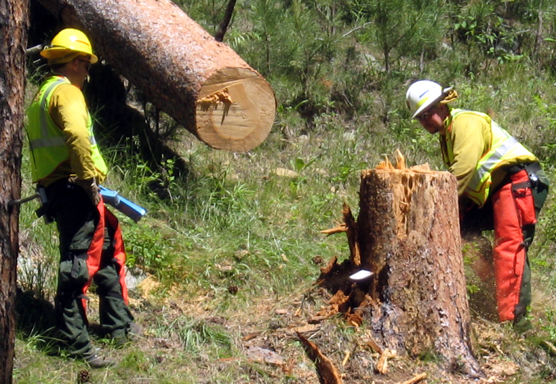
column 203, row 84
column 13, row 38
column 409, row 237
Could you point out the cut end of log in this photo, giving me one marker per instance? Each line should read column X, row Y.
column 236, row 108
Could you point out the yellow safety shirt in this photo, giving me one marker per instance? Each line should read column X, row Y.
column 61, row 140
column 479, row 153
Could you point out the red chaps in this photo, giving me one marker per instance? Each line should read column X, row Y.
column 95, row 251
column 514, row 208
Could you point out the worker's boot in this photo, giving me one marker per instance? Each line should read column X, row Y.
column 96, row 361
column 131, row 333
column 134, row 331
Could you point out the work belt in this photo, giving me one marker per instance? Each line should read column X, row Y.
column 43, row 210
column 46, row 195
column 531, row 170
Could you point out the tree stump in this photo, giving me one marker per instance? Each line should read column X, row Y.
column 409, row 236
column 200, row 82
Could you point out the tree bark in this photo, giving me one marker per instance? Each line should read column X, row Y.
column 408, row 232
column 13, row 39
column 203, row 84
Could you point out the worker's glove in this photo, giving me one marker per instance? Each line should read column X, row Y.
column 90, row 186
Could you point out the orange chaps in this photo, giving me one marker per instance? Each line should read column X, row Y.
column 107, row 222
column 513, row 208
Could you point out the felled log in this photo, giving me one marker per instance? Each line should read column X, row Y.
column 180, row 68
column 409, row 237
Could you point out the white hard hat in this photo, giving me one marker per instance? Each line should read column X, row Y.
column 423, row 94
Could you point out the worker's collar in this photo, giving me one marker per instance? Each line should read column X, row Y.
column 448, row 121
column 54, row 73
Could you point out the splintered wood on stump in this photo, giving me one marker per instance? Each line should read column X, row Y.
column 203, row 84
column 409, row 237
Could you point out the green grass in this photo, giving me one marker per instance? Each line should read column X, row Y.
column 233, row 222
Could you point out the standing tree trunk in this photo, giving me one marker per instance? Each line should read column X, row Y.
column 203, row 84
column 219, row 35
column 408, row 233
column 13, row 39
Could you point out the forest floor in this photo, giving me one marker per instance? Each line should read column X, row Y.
column 270, row 352
column 187, row 340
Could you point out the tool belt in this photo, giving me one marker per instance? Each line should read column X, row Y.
column 45, row 205
column 531, row 169
column 47, row 195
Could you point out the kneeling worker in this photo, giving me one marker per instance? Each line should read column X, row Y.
column 501, row 186
column 67, row 165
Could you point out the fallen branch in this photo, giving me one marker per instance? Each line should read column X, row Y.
column 368, row 339
column 415, row 379
column 325, row 369
column 550, row 346
column 382, row 365
column 346, row 358
column 339, row 229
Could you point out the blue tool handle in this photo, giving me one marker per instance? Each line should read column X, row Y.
column 125, row 206
column 130, row 209
column 109, row 196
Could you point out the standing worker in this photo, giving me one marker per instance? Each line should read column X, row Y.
column 67, row 165
column 501, row 186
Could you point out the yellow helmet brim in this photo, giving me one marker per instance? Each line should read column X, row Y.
column 61, row 55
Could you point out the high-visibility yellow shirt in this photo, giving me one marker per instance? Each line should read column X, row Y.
column 467, row 144
column 62, row 141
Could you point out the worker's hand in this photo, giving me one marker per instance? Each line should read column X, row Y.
column 90, row 186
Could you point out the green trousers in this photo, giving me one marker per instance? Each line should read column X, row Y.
column 76, row 219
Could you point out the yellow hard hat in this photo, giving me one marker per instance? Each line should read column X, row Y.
column 66, row 44
column 423, row 94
